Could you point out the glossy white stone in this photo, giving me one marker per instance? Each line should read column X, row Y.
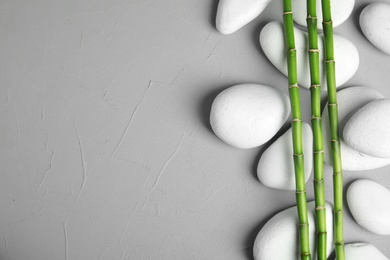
column 281, row 175
column 375, row 24
column 341, row 10
column 248, row 115
column 350, row 100
column 363, row 251
column 369, row 203
column 272, row 43
column 234, row 14
column 368, row 130
column 278, row 238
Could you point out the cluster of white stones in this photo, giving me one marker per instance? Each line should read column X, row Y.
column 249, row 115
column 234, row 14
column 272, row 43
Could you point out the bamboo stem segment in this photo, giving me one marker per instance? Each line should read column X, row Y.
column 316, row 122
column 296, row 125
column 334, row 130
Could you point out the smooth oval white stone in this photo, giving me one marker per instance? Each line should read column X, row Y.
column 281, row 175
column 363, row 251
column 278, row 238
column 368, row 130
column 272, row 43
column 350, row 100
column 341, row 10
column 375, row 24
column 234, row 14
column 248, row 115
column 369, row 203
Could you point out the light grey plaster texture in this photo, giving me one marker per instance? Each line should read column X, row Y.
column 105, row 147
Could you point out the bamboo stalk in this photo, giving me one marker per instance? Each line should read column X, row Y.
column 334, row 130
column 296, row 125
column 316, row 121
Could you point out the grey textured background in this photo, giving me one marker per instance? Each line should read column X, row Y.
column 105, row 147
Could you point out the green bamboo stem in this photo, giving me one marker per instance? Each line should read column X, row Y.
column 334, row 130
column 316, row 121
column 296, row 125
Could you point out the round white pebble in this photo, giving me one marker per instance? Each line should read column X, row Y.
column 341, row 10
column 350, row 100
column 281, row 175
column 272, row 43
column 234, row 14
column 375, row 24
column 278, row 238
column 367, row 131
column 248, row 115
column 363, row 251
column 369, row 203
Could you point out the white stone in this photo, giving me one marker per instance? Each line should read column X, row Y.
column 278, row 238
column 369, row 203
column 349, row 101
column 272, row 43
column 248, row 115
column 367, row 131
column 341, row 10
column 281, row 175
column 363, row 251
column 375, row 24
column 234, row 14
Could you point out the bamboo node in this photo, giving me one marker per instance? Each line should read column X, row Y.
column 296, row 120
column 322, row 233
column 303, row 224
column 314, row 50
column 315, row 86
column 339, row 243
column 334, row 141
column 288, row 12
column 320, row 208
column 316, row 118
column 300, row 192
column 328, row 22
column 317, row 152
column 292, row 50
column 293, row 86
column 318, row 181
column 338, row 211
column 298, row 154
column 330, row 61
column 332, row 104
column 337, row 173
column 305, row 254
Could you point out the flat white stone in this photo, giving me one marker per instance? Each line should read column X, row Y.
column 341, row 10
column 248, row 115
column 272, row 43
column 281, row 175
column 368, row 130
column 351, row 100
column 369, row 203
column 278, row 239
column 363, row 251
column 234, row 14
column 375, row 24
